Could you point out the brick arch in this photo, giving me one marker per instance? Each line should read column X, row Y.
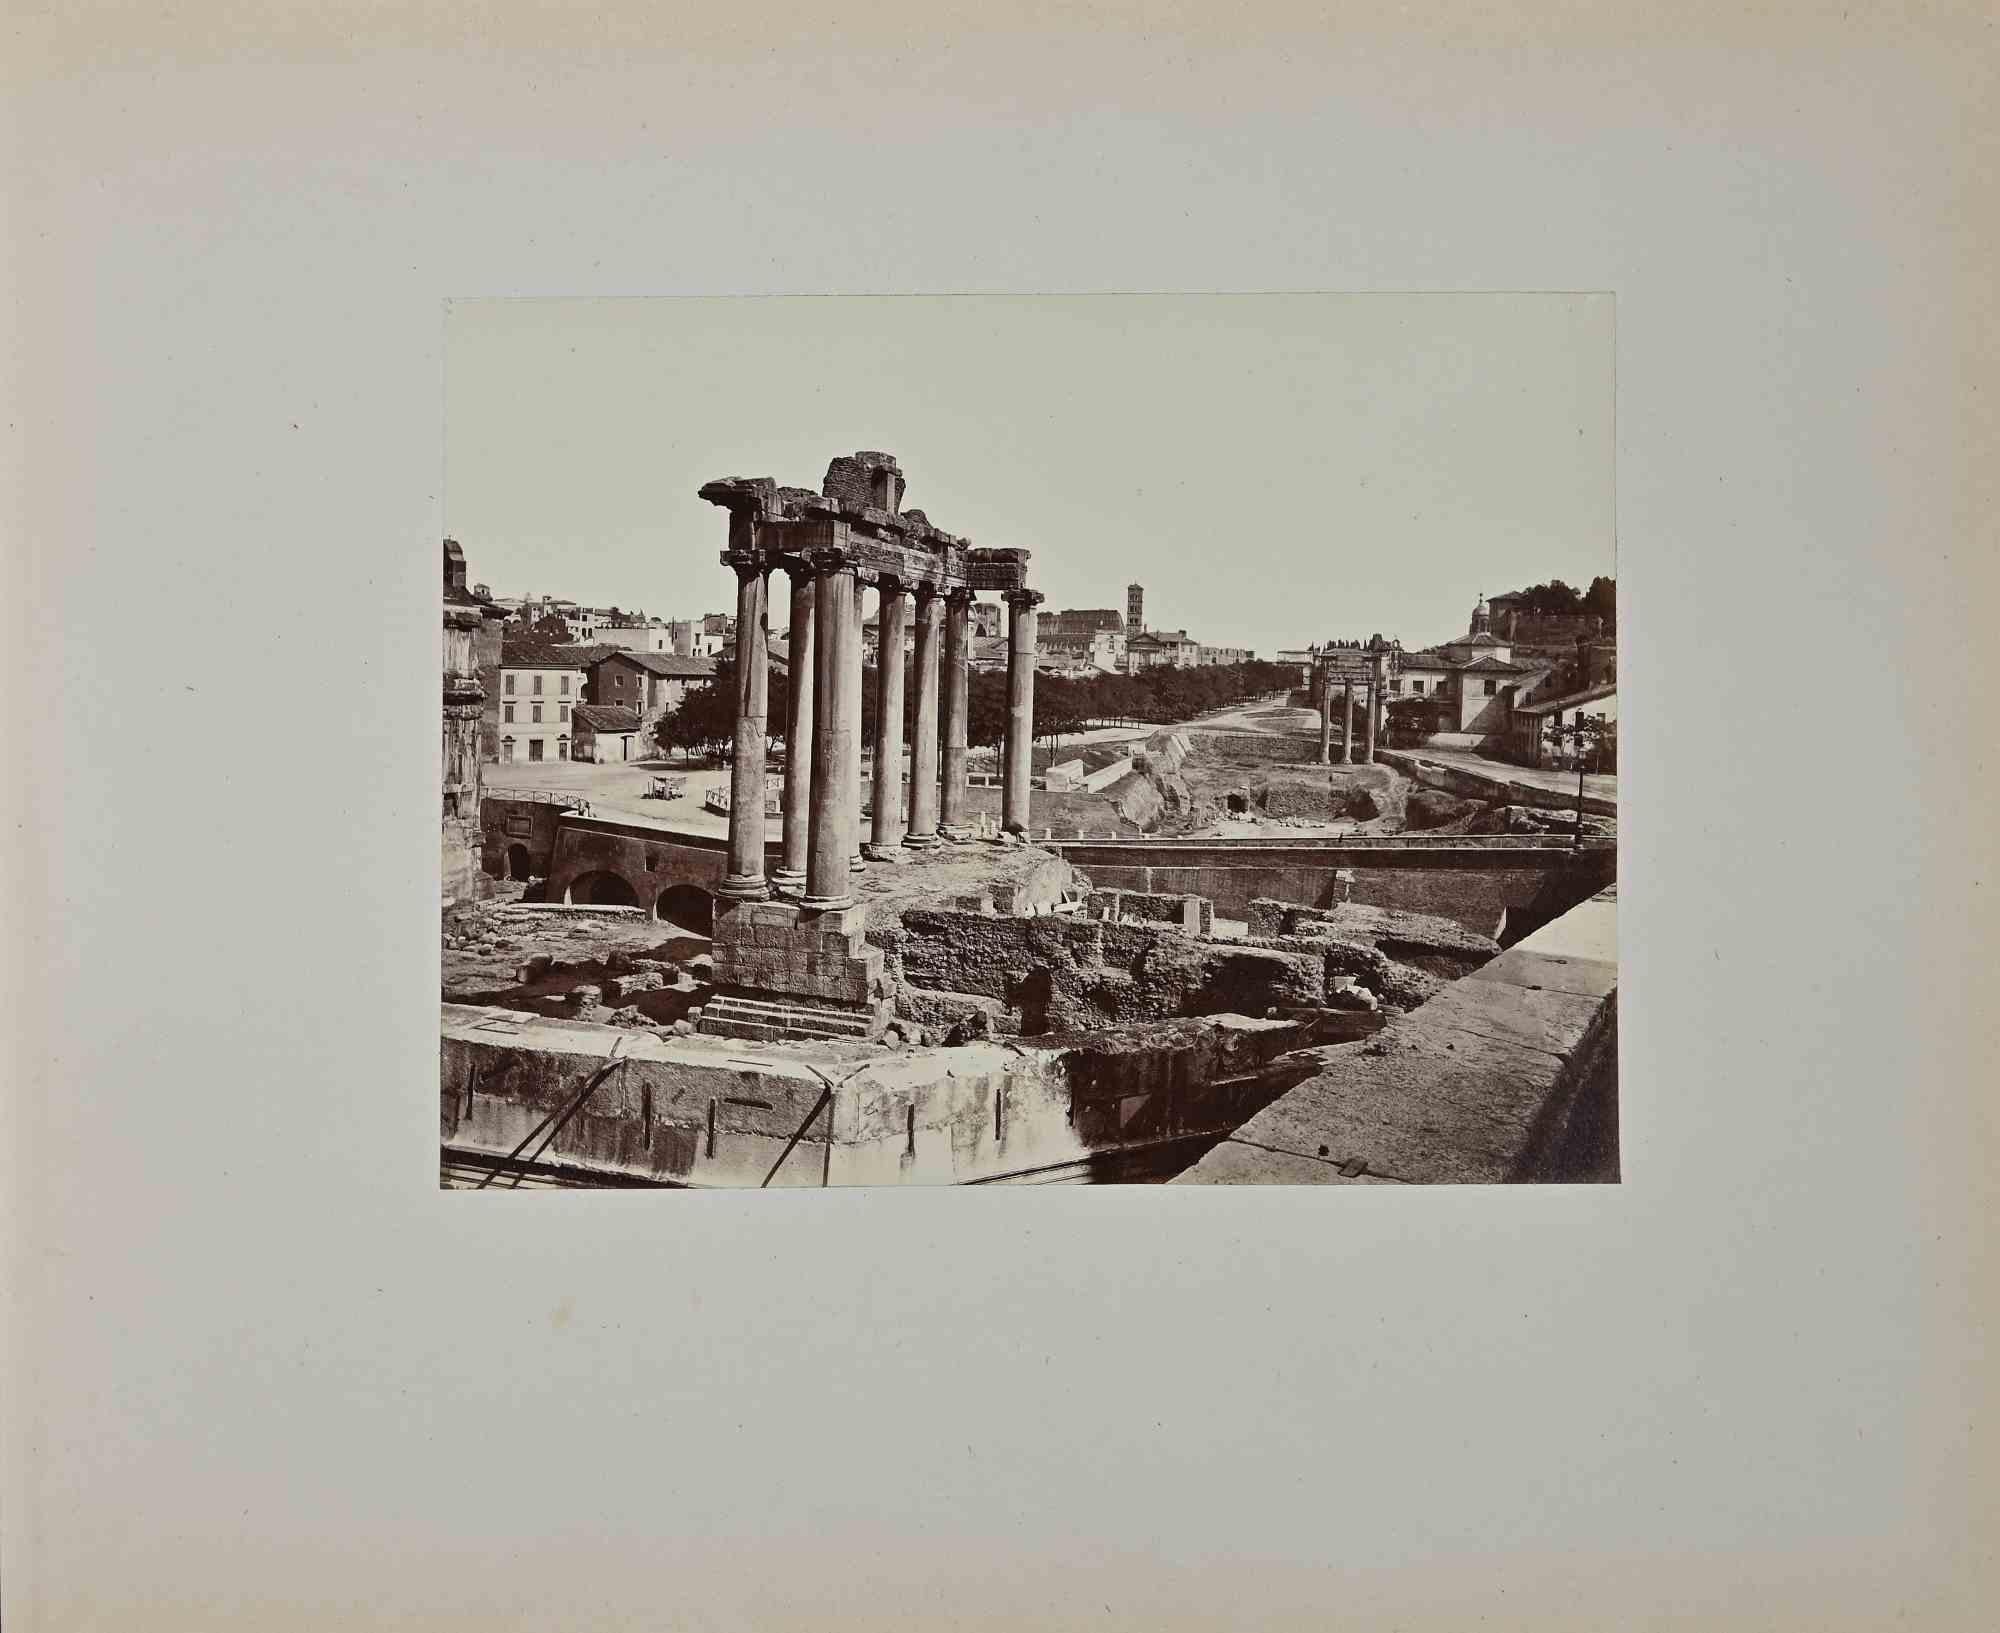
column 650, row 862
column 602, row 887
column 688, row 905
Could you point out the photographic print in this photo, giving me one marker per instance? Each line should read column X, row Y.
column 964, row 740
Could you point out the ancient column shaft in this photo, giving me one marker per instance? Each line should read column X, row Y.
column 1374, row 695
column 857, row 661
column 1020, row 744
column 1347, row 720
column 924, row 737
column 892, row 616
column 791, row 873
column 831, row 836
column 745, row 880
column 1325, row 716
column 957, row 681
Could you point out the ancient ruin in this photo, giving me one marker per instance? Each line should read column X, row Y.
column 797, row 934
column 1108, row 966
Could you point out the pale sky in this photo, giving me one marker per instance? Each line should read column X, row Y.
column 1275, row 469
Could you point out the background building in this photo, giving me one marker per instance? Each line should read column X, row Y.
column 648, row 683
column 607, row 734
column 636, row 634
column 1135, row 609
column 540, row 686
column 1153, row 649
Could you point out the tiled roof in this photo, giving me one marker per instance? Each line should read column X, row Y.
column 584, row 656
column 671, row 665
column 530, row 654
column 1490, row 666
column 1549, row 705
column 606, row 717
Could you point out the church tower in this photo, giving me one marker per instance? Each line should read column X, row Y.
column 1482, row 617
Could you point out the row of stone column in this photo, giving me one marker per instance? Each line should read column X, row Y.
column 822, row 846
column 1374, row 703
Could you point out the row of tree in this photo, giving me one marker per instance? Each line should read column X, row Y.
column 705, row 721
column 1560, row 599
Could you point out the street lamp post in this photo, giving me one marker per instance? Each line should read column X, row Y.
column 1584, row 729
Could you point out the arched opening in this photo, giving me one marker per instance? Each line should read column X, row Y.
column 603, row 890
column 689, row 907
column 518, row 863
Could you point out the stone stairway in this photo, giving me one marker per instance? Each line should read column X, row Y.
column 774, row 1018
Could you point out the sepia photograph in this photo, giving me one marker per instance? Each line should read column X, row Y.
column 1029, row 596
column 1182, row 747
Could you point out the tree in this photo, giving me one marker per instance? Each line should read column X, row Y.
column 1602, row 599
column 1554, row 597
column 986, row 709
column 1411, row 719
column 549, row 628
column 1060, row 706
column 706, row 716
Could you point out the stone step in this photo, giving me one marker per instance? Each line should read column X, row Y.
column 728, row 1015
column 855, row 1020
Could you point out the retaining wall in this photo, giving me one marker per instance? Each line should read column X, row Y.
column 714, row 1112
column 1496, row 885
column 1467, row 784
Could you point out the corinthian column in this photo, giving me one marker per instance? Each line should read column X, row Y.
column 957, row 704
column 1019, row 755
column 924, row 741
column 1347, row 720
column 886, row 835
column 791, row 874
column 745, row 880
column 831, row 837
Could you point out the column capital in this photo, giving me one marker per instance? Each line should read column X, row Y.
column 745, row 562
column 1023, row 600
column 926, row 592
column 960, row 595
column 830, row 560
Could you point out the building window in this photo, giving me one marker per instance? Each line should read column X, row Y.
column 538, row 686
column 507, row 713
column 538, row 714
column 534, row 748
column 506, row 748
column 507, row 681
column 565, row 686
column 562, row 748
column 1416, row 688
column 1489, row 686
column 562, row 714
